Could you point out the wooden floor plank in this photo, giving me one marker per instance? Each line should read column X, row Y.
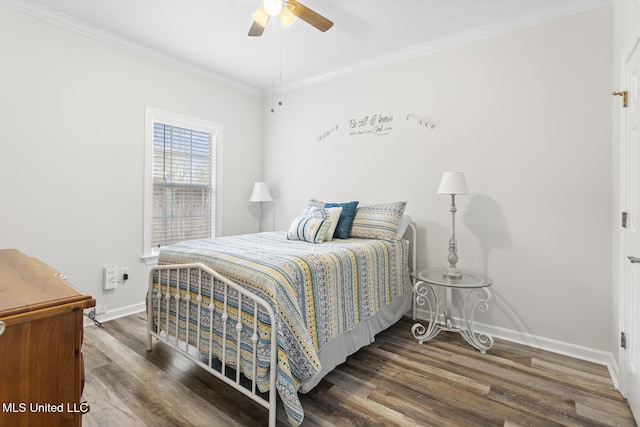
column 395, row 381
column 356, row 386
column 106, row 408
column 152, row 393
column 474, row 408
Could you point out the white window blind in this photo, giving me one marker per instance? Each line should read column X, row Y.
column 183, row 184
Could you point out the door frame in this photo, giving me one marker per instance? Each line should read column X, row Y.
column 624, row 320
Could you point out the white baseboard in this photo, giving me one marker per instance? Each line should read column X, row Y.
column 560, row 347
column 555, row 346
column 117, row 313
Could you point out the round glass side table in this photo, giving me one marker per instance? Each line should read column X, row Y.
column 433, row 290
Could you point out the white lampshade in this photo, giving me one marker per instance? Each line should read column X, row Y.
column 260, row 193
column 453, row 183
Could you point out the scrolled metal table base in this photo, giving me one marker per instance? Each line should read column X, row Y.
column 440, row 314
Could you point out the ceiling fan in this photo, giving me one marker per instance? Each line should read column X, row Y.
column 288, row 10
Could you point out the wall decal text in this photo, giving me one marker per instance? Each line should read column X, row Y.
column 376, row 124
column 327, row 133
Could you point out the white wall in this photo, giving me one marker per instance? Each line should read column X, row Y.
column 526, row 116
column 72, row 110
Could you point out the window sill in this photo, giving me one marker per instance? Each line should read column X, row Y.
column 151, row 259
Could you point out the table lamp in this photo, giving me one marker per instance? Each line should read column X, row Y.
column 260, row 194
column 453, row 183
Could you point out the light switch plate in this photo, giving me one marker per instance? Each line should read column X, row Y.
column 109, row 277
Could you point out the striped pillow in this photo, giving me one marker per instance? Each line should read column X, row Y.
column 378, row 221
column 309, row 229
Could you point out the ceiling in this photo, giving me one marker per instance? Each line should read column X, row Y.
column 210, row 36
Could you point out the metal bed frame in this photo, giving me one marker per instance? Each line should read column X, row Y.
column 169, row 290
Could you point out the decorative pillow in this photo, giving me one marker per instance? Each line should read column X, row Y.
column 312, row 203
column 309, row 229
column 346, row 218
column 330, row 214
column 378, row 221
column 343, row 228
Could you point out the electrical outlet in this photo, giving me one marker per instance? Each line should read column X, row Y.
column 125, row 274
column 109, row 277
column 101, row 309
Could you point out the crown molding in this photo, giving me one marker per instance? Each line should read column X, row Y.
column 567, row 8
column 56, row 18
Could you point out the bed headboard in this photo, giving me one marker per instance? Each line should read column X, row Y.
column 411, row 234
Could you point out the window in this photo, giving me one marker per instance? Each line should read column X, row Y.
column 180, row 179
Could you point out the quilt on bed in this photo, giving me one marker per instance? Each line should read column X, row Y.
column 317, row 292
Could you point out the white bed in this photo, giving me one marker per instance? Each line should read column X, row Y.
column 326, row 299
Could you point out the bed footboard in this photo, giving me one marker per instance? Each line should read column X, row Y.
column 182, row 297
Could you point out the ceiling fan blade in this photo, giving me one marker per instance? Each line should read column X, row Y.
column 256, row 29
column 260, row 20
column 308, row 15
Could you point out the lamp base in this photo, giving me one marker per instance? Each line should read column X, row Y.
column 452, row 273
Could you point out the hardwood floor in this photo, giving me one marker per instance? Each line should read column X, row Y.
column 394, row 381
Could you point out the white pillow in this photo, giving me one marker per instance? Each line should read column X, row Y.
column 330, row 214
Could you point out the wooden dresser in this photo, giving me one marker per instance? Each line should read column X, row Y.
column 41, row 368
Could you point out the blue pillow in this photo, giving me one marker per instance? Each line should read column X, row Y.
column 346, row 218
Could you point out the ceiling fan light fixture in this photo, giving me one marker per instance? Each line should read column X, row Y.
column 289, row 11
column 261, row 16
column 273, row 7
column 286, row 17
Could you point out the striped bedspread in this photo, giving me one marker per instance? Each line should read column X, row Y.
column 317, row 291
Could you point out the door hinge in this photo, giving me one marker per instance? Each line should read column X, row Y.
column 624, row 220
column 625, row 97
column 623, row 340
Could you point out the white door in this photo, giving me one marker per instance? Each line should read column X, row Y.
column 631, row 286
